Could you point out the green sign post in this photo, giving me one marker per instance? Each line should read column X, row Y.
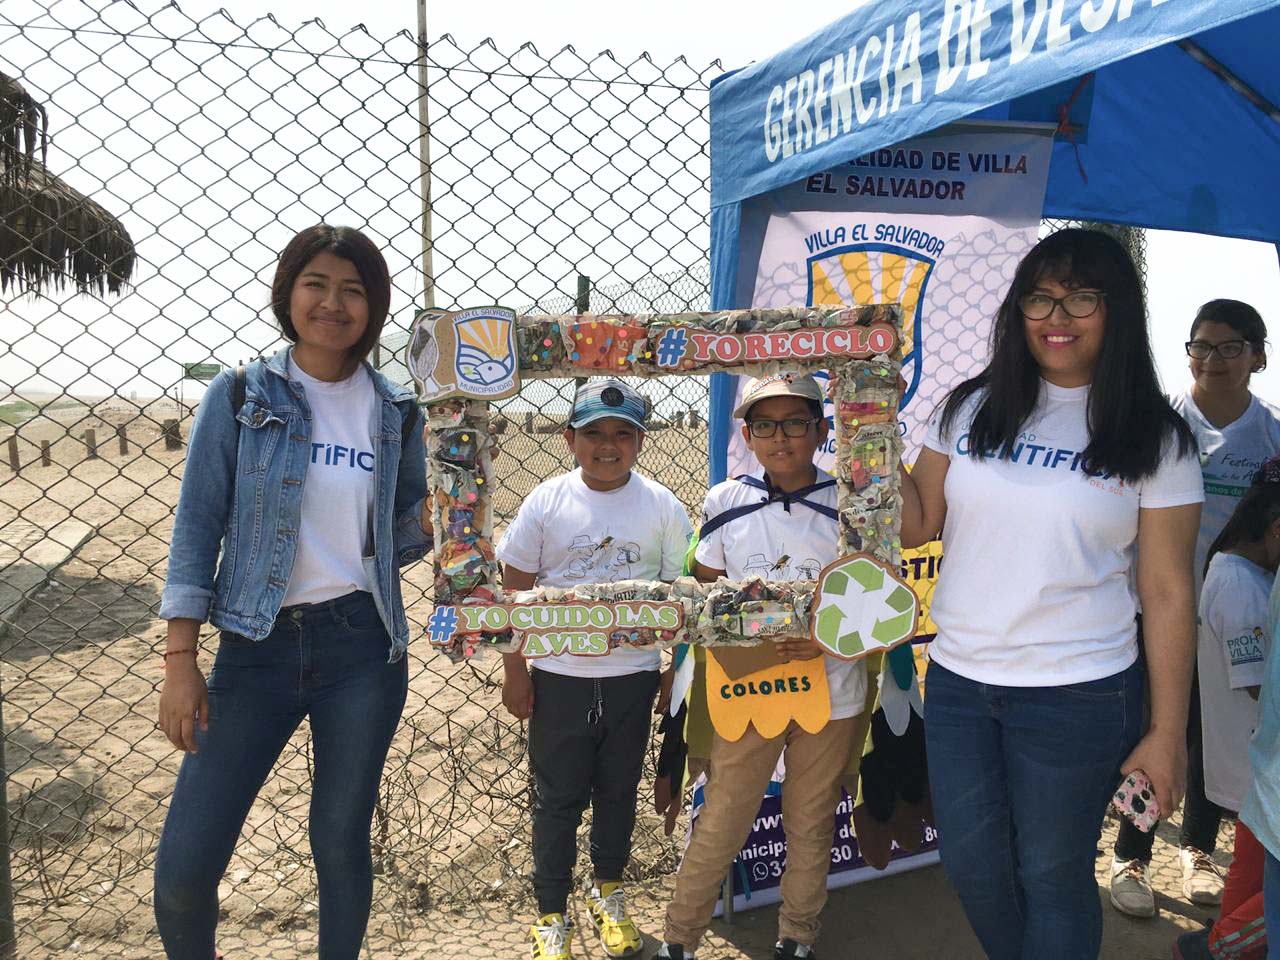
column 201, row 371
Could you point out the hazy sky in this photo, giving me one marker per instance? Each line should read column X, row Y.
column 1183, row 271
column 735, row 32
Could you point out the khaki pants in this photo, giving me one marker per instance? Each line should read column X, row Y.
column 737, row 780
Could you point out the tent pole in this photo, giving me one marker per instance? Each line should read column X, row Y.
column 1216, row 67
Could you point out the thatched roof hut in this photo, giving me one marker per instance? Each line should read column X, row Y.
column 50, row 233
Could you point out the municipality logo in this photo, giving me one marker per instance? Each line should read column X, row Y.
column 469, row 353
column 871, row 272
column 486, row 354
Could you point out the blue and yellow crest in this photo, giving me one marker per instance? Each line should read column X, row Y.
column 877, row 273
column 486, row 349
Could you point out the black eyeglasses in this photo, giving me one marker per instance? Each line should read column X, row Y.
column 794, row 427
column 1080, row 304
column 1227, row 349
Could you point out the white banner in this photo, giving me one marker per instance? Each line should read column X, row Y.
column 937, row 224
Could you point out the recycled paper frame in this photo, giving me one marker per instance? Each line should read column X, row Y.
column 858, row 346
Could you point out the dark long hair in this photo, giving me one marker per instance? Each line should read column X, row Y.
column 349, row 244
column 1130, row 421
column 1257, row 510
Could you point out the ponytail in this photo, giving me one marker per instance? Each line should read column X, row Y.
column 1256, row 511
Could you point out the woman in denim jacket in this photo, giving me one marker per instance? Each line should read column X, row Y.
column 305, row 487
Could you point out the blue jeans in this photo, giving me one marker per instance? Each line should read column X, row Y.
column 1020, row 778
column 1271, row 893
column 325, row 661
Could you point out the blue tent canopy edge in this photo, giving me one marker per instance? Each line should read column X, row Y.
column 1167, row 113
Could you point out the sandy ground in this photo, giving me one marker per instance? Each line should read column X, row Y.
column 89, row 777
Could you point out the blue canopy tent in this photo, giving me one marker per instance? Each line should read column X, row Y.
column 1166, row 112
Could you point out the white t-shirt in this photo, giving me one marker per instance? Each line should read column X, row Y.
column 567, row 534
column 776, row 545
column 1228, row 460
column 1231, row 655
column 1036, row 587
column 338, row 492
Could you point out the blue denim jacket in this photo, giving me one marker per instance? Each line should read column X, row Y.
column 245, row 497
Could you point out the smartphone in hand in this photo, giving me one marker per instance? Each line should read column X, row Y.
column 1135, row 799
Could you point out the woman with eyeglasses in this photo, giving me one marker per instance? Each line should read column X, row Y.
column 1236, row 431
column 1061, row 480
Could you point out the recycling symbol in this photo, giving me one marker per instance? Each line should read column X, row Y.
column 862, row 606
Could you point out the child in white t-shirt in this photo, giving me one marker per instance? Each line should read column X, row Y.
column 589, row 716
column 788, row 533
column 1233, row 649
column 1232, row 652
column 1235, row 433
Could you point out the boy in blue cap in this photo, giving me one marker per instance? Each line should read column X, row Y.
column 589, row 716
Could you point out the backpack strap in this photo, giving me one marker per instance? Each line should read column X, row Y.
column 238, row 390
column 772, row 495
column 407, row 427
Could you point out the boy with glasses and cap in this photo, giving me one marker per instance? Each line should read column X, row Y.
column 779, row 523
column 589, row 717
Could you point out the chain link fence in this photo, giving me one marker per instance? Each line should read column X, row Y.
column 560, row 182
column 675, row 446
column 211, row 142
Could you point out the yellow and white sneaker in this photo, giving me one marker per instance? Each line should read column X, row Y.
column 608, row 912
column 552, row 937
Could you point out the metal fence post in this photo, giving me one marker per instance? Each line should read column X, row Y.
column 424, row 160
column 581, row 305
column 8, row 938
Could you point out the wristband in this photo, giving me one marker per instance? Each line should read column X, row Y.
column 173, row 653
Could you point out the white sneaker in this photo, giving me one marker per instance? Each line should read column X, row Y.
column 1131, row 894
column 1201, row 880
